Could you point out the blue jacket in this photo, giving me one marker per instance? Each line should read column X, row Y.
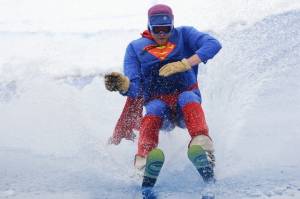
column 143, row 59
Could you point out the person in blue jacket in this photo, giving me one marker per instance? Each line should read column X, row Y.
column 162, row 67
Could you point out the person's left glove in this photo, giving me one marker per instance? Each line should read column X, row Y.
column 116, row 82
column 174, row 67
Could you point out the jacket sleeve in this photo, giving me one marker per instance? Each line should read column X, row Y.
column 205, row 46
column 132, row 69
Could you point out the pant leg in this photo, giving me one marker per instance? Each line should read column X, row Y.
column 150, row 126
column 193, row 115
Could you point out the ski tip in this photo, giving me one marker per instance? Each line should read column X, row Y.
column 208, row 197
column 148, row 193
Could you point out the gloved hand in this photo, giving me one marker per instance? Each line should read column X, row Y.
column 116, row 82
column 174, row 67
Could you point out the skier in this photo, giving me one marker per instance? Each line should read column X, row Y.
column 161, row 71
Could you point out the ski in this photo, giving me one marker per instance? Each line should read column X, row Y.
column 154, row 163
column 208, row 197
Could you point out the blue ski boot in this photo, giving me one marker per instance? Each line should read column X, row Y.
column 154, row 163
column 205, row 168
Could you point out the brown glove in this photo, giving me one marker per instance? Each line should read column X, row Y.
column 116, row 82
column 174, row 67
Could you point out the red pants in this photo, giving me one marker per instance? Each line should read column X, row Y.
column 194, row 120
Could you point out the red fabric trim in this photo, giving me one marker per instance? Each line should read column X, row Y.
column 193, row 86
column 171, row 99
column 147, row 34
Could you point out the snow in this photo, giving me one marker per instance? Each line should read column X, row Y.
column 56, row 115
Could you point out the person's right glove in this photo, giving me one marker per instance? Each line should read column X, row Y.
column 116, row 82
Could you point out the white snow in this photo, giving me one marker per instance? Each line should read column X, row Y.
column 56, row 116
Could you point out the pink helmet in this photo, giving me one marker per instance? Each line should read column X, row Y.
column 160, row 14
